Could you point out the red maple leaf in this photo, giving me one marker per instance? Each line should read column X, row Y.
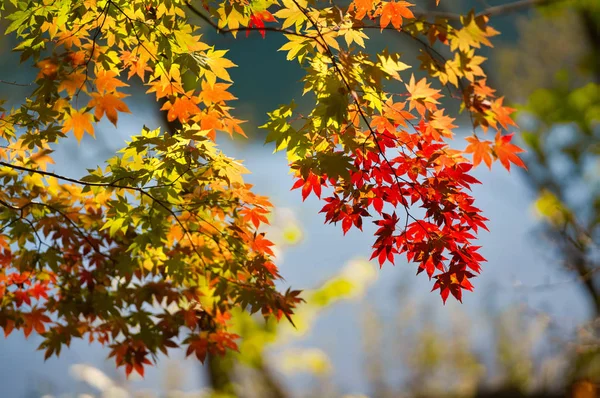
column 258, row 20
column 507, row 152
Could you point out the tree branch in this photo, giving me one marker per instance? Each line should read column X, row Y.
column 490, row 12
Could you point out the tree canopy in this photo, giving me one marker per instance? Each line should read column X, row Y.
column 155, row 249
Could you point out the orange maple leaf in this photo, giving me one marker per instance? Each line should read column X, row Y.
column 79, row 122
column 48, row 69
column 362, row 7
column 503, row 113
column 381, row 124
column 8, row 327
column 166, row 85
column 232, row 125
column 507, row 152
column 108, row 103
column 262, row 245
column 396, row 112
column 481, row 150
column 422, row 97
column 182, row 107
column 256, row 215
column 393, row 12
column 211, row 122
column 440, row 125
column 42, row 158
column 106, row 81
column 73, row 82
column 215, row 94
column 135, row 64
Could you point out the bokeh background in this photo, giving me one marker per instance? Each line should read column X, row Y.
column 531, row 326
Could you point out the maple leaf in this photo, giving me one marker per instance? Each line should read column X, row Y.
column 352, row 35
column 197, row 346
column 258, row 19
column 361, row 8
column 223, row 340
column 76, row 58
column 481, row 150
column 107, row 81
column 135, row 64
column 297, row 46
column 167, row 84
column 80, row 122
column 390, row 64
column 381, row 124
column 8, row 327
column 211, row 122
column 453, row 282
column 215, row 94
column 422, row 96
column 473, row 33
column 291, row 14
column 39, row 290
column 502, row 113
column 440, row 125
column 21, row 297
column 108, row 103
column 182, row 108
column 48, row 69
column 312, row 183
column 35, row 321
column 72, row 82
column 393, row 12
column 507, row 152
column 262, row 245
column 396, row 113
column 256, row 215
column 217, row 66
column 42, row 158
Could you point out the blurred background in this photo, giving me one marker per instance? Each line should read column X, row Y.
column 531, row 328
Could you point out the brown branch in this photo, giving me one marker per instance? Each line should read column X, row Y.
column 15, row 83
column 490, row 12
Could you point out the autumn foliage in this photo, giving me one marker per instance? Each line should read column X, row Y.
column 153, row 250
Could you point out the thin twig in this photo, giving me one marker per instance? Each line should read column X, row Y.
column 503, row 9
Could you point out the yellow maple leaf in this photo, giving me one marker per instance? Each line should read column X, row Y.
column 390, row 64
column 473, row 33
column 216, row 66
column 291, row 14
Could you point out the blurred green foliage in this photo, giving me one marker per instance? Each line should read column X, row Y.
column 553, row 77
